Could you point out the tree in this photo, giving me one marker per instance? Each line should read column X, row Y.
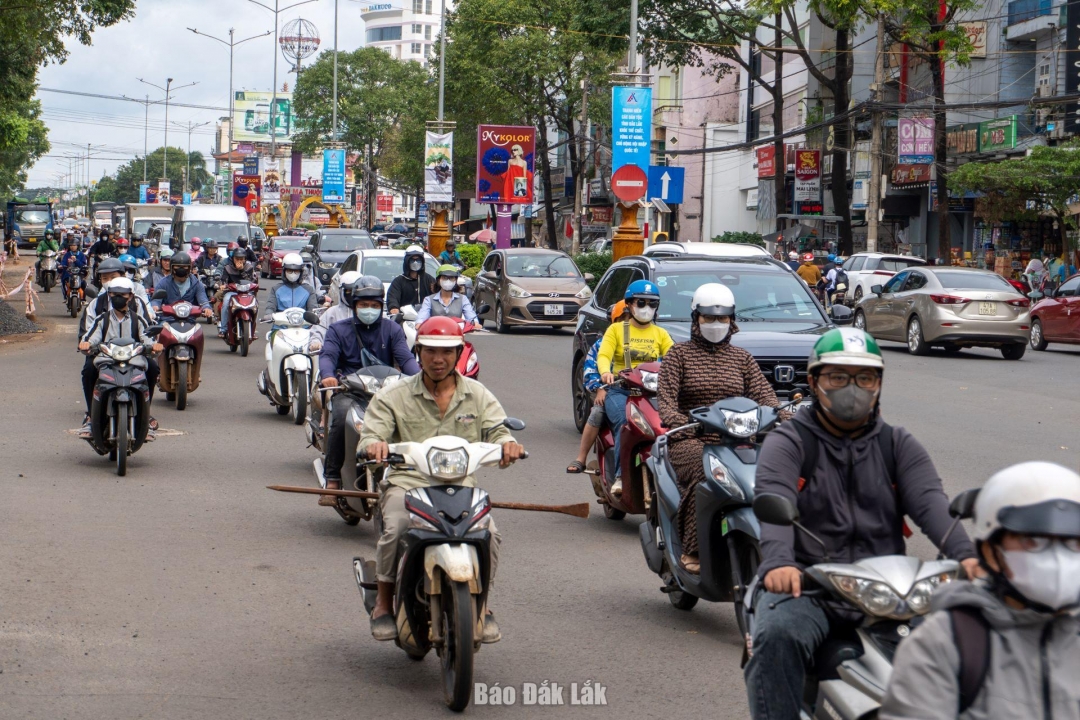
column 23, row 140
column 123, row 185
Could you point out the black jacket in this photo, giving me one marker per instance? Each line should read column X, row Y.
column 405, row 290
column 229, row 273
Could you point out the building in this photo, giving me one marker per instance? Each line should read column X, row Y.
column 406, row 29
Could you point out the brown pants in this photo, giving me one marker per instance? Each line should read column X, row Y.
column 689, row 469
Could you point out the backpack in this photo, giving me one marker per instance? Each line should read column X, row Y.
column 972, row 636
column 841, row 277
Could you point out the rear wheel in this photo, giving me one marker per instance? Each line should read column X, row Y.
column 458, row 623
column 612, row 514
column 679, row 600
column 1013, row 352
column 860, row 320
column 916, row 343
column 73, row 305
column 1037, row 340
column 582, row 399
column 858, row 295
column 121, row 439
column 245, row 337
column 300, row 402
column 181, row 385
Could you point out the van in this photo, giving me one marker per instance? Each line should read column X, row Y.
column 224, row 223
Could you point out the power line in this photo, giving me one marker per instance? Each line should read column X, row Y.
column 132, row 100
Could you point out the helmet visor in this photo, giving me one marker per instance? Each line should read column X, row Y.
column 1054, row 517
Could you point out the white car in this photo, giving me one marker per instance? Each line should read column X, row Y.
column 865, row 270
column 710, row 249
column 383, row 264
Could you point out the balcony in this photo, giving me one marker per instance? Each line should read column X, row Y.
column 1024, row 10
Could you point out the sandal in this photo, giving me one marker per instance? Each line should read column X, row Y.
column 691, row 564
column 575, row 468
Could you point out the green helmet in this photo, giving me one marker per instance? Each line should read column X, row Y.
column 846, row 346
column 447, row 271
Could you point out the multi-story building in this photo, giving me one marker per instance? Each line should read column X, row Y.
column 406, row 29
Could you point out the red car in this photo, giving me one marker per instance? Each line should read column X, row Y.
column 1056, row 318
column 276, row 249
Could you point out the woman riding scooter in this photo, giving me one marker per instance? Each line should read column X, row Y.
column 697, row 373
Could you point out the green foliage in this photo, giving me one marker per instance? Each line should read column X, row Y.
column 472, row 255
column 471, row 272
column 307, row 226
column 752, row 238
column 595, row 263
column 123, row 186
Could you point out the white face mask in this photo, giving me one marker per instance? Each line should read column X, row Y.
column 292, row 276
column 714, row 332
column 415, row 265
column 643, row 315
column 448, row 285
column 1050, row 577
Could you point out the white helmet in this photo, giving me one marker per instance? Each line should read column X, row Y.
column 713, row 299
column 292, row 261
column 348, row 278
column 793, row 255
column 121, row 285
column 414, row 249
column 1032, row 498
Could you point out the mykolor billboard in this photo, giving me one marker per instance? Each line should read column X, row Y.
column 504, row 164
column 251, row 117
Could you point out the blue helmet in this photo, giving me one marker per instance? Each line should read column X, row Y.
column 128, row 261
column 831, row 258
column 642, row 289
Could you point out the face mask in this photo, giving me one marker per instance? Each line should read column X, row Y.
column 181, row 272
column 415, row 265
column 714, row 332
column 367, row 316
column 644, row 315
column 292, row 276
column 1050, row 577
column 850, row 403
column 447, row 285
column 119, row 302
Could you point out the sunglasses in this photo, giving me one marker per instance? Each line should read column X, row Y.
column 640, row 303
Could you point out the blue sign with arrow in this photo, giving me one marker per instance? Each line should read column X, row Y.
column 666, row 183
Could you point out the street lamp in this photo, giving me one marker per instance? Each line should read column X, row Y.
column 189, row 127
column 167, row 90
column 231, row 45
column 146, row 126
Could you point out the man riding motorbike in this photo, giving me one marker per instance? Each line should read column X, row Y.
column 447, row 301
column 164, row 269
column 342, row 354
column 412, row 285
column 108, row 270
column 183, row 286
column 793, row 260
column 122, row 319
column 627, row 344
column 249, row 254
column 808, row 271
column 438, row 401
column 450, row 256
column 1018, row 625
column 138, row 250
column 236, row 271
column 291, row 293
column 72, row 258
column 49, row 242
column 853, row 478
column 209, row 259
column 104, row 245
column 697, row 373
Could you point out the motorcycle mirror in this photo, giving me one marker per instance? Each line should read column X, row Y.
column 963, row 505
column 91, row 291
column 483, row 309
column 311, row 317
column 159, row 295
column 775, row 509
column 841, row 314
column 309, row 248
column 514, row 424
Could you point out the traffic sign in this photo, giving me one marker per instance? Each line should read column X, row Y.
column 666, row 183
column 629, row 183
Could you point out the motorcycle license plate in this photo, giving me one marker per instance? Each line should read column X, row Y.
column 553, row 309
column 988, row 308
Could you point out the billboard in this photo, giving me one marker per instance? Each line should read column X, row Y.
column 251, row 117
column 271, row 182
column 246, row 191
column 504, row 164
column 916, row 141
column 333, row 177
column 438, row 167
column 766, row 161
column 631, row 140
column 807, row 175
column 163, row 192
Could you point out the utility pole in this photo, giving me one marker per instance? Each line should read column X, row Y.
column 874, row 201
column 334, row 121
column 167, row 90
column 579, row 172
column 189, row 126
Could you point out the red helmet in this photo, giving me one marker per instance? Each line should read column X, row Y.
column 440, row 331
column 232, row 246
column 122, row 242
column 196, row 241
column 808, row 257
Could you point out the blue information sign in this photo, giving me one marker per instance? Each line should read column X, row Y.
column 333, row 177
column 143, row 187
column 631, row 140
column 666, row 183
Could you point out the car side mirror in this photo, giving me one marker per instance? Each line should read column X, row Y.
column 159, row 295
column 775, row 509
column 963, row 505
column 483, row 309
column 311, row 317
column 489, row 275
column 877, row 289
column 841, row 314
column 589, row 277
column 309, row 248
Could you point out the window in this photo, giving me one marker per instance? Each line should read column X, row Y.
column 427, row 7
column 383, row 34
column 612, row 288
column 897, row 264
column 762, row 299
column 349, row 265
column 427, row 32
column 916, row 281
column 418, row 6
column 960, row 280
column 1069, row 288
column 414, row 48
column 895, row 282
column 854, row 264
column 427, row 51
column 541, row 266
column 417, row 28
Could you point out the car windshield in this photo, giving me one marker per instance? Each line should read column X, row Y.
column 290, row 243
column 223, row 232
column 541, row 265
column 141, row 227
column 384, row 268
column 972, row 281
column 32, row 216
column 763, row 300
column 898, row 264
column 344, row 243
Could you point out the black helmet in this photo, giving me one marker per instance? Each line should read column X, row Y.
column 181, row 259
column 110, row 265
column 238, row 252
column 242, row 241
column 367, row 287
column 210, row 244
column 104, row 232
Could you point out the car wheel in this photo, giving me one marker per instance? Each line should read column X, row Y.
column 858, row 295
column 1038, row 340
column 1013, row 352
column 860, row 320
column 500, row 320
column 916, row 343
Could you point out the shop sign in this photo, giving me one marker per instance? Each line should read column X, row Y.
column 1072, row 69
column 807, row 175
column 905, row 174
column 962, row 139
column 976, row 35
column 766, row 161
column 601, row 215
column 995, row 135
column 916, row 140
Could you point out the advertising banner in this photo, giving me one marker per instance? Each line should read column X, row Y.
column 631, row 140
column 143, row 187
column 997, row 134
column 908, row 175
column 915, row 143
column 807, row 175
column 246, row 191
column 976, row 35
column 333, row 177
column 186, row 199
column 271, row 182
column 504, row 164
column 251, row 165
column 766, row 161
column 251, row 117
column 438, row 167
column 163, row 192
column 384, row 203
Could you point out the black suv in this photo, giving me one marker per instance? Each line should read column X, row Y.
column 331, row 246
column 779, row 318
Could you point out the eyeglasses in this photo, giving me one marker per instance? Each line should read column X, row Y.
column 641, row 302
column 838, row 380
column 1040, row 543
column 708, row 319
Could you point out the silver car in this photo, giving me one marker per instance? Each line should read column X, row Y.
column 947, row 307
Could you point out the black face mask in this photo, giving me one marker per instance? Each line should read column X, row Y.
column 181, row 272
column 119, row 302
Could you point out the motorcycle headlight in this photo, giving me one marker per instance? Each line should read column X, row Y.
column 418, row 523
column 719, row 472
column 649, row 380
column 471, row 364
column 448, row 464
column 517, row 292
column 584, row 293
column 919, row 597
column 744, row 424
column 634, row 415
column 371, row 384
column 121, row 353
column 876, row 598
column 355, row 420
column 327, row 265
column 182, row 312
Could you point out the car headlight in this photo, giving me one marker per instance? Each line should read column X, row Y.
column 584, row 293
column 874, row 597
column 744, row 424
column 634, row 415
column 517, row 292
column 327, row 265
column 649, row 380
column 719, row 472
column 918, row 600
column 448, row 464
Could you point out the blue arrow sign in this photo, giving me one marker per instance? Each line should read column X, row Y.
column 666, row 183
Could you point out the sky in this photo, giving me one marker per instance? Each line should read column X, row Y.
column 155, row 45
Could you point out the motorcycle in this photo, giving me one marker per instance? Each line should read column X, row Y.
column 181, row 356
column 243, row 309
column 851, row 671
column 443, row 577
column 76, row 290
column 407, row 319
column 120, row 411
column 47, row 273
column 640, row 431
column 728, row 531
column 359, row 386
column 289, row 375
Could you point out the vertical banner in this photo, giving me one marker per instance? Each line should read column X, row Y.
column 504, row 164
column 915, row 141
column 333, row 177
column 186, row 199
column 246, row 192
column 143, row 187
column 807, row 175
column 438, row 167
column 163, row 192
column 1072, row 69
column 631, row 141
column 766, row 161
column 271, row 182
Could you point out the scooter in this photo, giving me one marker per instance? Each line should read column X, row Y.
column 211, row 281
column 639, row 433
column 406, row 317
column 289, row 376
column 243, row 309
column 850, row 672
column 443, row 577
column 76, row 289
column 181, row 356
column 120, row 412
column 728, row 532
column 46, row 275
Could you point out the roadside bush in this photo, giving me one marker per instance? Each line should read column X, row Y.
column 752, row 238
column 595, row 263
column 472, row 255
column 307, row 226
column 470, row 272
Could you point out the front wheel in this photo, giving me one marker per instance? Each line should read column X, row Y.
column 1038, row 339
column 245, row 337
column 181, row 385
column 500, row 320
column 582, row 398
column 73, row 305
column 300, row 402
column 860, row 320
column 1013, row 352
column 121, row 439
column 916, row 343
column 858, row 295
column 747, row 557
column 458, row 623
